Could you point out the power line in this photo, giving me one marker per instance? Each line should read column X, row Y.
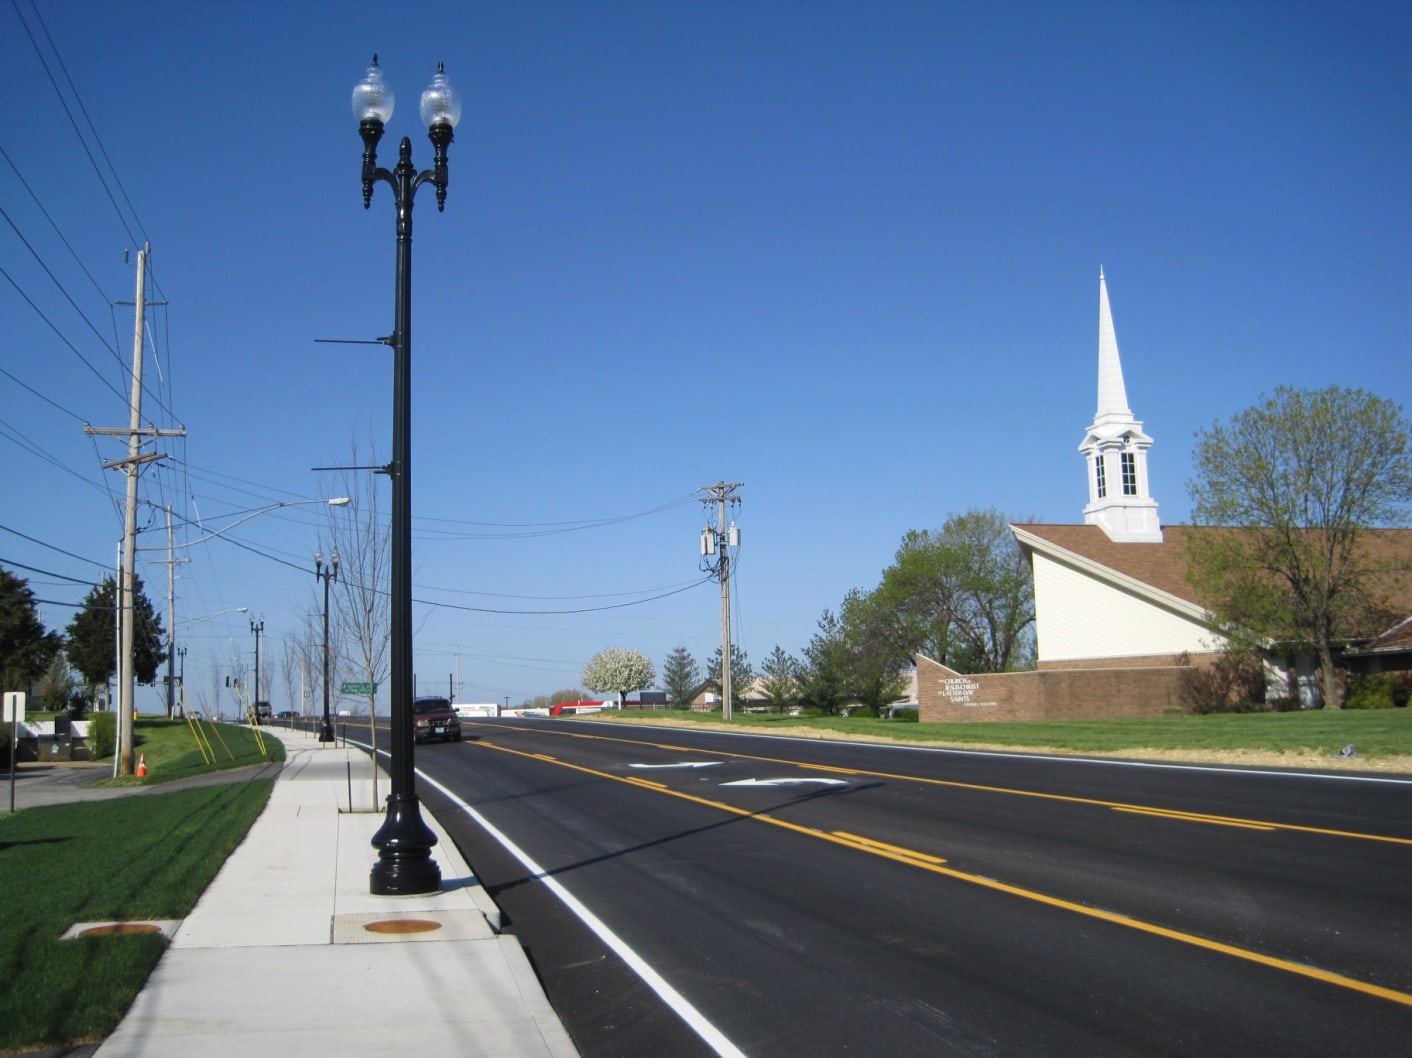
column 47, row 572
column 60, row 334
column 535, row 529
column 53, row 404
column 51, row 547
column 16, row 437
column 40, row 205
column 481, row 609
column 39, row 54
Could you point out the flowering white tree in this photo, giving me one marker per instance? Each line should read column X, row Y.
column 618, row 671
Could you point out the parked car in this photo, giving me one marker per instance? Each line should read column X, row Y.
column 434, row 718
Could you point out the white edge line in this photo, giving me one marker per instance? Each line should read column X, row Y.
column 1060, row 758
column 669, row 995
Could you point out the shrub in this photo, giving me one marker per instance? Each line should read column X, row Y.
column 863, row 711
column 811, row 710
column 102, row 734
column 907, row 716
column 1401, row 688
column 1370, row 692
column 1232, row 683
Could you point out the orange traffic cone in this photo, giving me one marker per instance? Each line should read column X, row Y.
column 142, row 764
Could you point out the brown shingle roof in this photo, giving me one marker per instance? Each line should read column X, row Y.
column 1399, row 637
column 1161, row 565
column 1164, row 565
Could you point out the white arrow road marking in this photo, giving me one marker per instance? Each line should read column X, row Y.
column 786, row 782
column 687, row 764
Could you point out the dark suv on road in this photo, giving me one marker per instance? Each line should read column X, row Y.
column 434, row 718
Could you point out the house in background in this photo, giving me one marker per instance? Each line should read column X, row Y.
column 1117, row 625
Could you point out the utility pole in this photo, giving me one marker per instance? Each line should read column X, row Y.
column 127, row 683
column 718, row 542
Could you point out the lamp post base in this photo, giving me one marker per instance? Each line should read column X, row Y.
column 404, row 841
column 326, row 733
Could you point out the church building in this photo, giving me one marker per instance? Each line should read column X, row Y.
column 1117, row 625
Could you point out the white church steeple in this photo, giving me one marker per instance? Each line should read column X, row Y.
column 1116, row 449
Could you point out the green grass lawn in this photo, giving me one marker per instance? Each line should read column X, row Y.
column 171, row 750
column 1376, row 733
column 128, row 858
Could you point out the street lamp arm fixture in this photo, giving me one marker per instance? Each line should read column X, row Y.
column 212, row 616
column 337, row 501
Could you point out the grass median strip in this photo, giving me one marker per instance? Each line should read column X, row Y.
column 127, row 859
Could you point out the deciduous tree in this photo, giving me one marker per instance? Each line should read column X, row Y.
column 618, row 671
column 962, row 595
column 58, row 690
column 361, row 537
column 1297, row 480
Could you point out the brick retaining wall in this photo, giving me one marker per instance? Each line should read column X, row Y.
column 944, row 695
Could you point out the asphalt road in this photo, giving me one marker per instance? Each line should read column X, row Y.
column 685, row 892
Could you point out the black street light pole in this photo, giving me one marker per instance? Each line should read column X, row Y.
column 257, row 628
column 404, row 841
column 326, row 574
column 181, row 679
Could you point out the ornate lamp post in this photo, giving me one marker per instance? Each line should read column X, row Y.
column 326, row 574
column 404, row 841
column 257, row 629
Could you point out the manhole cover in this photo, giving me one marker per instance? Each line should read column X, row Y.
column 402, row 925
column 117, row 928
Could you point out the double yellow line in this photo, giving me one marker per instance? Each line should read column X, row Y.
column 937, row 865
column 1117, row 806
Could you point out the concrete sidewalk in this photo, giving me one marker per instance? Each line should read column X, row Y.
column 287, row 953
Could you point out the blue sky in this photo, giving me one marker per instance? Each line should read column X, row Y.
column 844, row 253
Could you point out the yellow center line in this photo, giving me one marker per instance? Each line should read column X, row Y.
column 936, row 865
column 828, row 768
column 872, row 845
column 1194, row 817
column 1152, row 810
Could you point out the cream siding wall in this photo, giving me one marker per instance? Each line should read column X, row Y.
column 1078, row 616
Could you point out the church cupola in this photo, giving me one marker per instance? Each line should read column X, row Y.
column 1116, row 449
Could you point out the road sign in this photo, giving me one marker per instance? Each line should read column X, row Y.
column 358, row 688
column 14, row 706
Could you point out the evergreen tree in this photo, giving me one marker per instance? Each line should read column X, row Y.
column 742, row 675
column 779, row 679
column 681, row 677
column 26, row 649
column 93, row 634
column 823, row 677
